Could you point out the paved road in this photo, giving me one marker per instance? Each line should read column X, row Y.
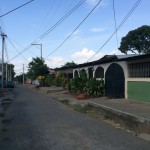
column 36, row 122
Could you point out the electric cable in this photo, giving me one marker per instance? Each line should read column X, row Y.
column 16, row 8
column 16, row 49
column 75, row 28
column 53, row 27
column 20, row 45
column 120, row 25
column 56, row 10
column 46, row 16
column 114, row 12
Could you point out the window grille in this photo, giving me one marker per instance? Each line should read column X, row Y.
column 139, row 70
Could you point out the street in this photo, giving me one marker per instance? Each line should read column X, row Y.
column 34, row 121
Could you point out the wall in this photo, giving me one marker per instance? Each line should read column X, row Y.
column 123, row 64
column 139, row 90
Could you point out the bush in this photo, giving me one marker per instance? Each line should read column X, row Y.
column 94, row 87
column 49, row 80
column 41, row 80
column 61, row 80
column 78, row 83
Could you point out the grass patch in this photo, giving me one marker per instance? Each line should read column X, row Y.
column 107, row 117
column 66, row 102
column 81, row 108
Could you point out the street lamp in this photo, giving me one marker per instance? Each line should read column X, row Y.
column 41, row 48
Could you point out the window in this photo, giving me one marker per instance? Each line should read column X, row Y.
column 139, row 70
column 76, row 73
column 99, row 73
column 90, row 70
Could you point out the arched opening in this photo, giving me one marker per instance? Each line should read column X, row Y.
column 90, row 72
column 114, row 81
column 76, row 73
column 99, row 72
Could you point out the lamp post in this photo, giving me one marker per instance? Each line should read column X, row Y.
column 40, row 47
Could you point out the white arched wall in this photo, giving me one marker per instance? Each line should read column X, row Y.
column 123, row 64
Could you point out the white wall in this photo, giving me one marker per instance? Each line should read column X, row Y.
column 123, row 64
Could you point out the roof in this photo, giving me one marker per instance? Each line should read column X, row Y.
column 108, row 59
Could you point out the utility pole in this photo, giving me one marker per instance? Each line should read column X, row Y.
column 23, row 73
column 10, row 73
column 2, row 79
column 40, row 48
column 6, row 73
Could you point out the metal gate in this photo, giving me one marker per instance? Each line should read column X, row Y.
column 114, row 81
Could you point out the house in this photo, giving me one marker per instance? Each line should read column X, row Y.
column 125, row 76
column 67, row 71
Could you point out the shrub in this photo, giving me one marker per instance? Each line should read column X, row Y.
column 49, row 80
column 94, row 87
column 60, row 80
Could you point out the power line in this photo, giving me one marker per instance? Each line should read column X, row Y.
column 20, row 45
column 120, row 25
column 44, row 20
column 114, row 12
column 2, row 23
column 53, row 27
column 16, row 8
column 61, row 20
column 75, row 28
column 16, row 49
column 56, row 10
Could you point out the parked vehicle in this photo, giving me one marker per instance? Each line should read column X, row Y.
column 10, row 84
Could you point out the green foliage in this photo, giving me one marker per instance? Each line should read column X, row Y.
column 37, row 68
column 19, row 78
column 77, row 84
column 70, row 64
column 94, row 87
column 136, row 40
column 41, row 80
column 82, row 108
column 49, row 80
column 60, row 80
column 11, row 68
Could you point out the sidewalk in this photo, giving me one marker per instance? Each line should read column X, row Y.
column 134, row 114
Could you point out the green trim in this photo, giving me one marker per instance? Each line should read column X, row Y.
column 139, row 90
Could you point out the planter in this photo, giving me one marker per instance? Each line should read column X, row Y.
column 81, row 96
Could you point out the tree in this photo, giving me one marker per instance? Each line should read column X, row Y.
column 37, row 68
column 11, row 71
column 69, row 64
column 136, row 40
column 19, row 78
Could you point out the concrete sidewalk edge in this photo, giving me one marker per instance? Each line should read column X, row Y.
column 138, row 123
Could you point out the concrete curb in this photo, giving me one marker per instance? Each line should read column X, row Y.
column 134, row 122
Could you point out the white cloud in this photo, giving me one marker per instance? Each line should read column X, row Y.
column 83, row 55
column 98, row 29
column 19, row 66
column 53, row 62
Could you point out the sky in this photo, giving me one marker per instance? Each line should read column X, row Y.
column 25, row 25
